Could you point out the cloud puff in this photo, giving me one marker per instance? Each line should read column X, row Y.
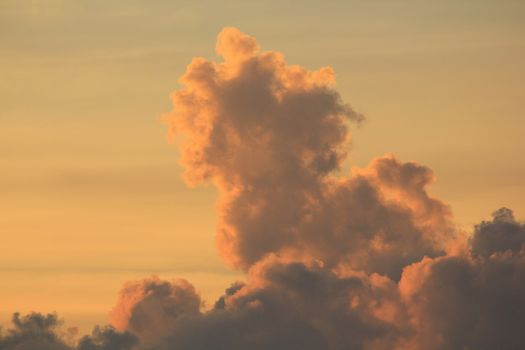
column 378, row 220
column 270, row 135
column 107, row 338
column 248, row 124
column 148, row 308
column 458, row 303
column 450, row 302
column 290, row 305
column 36, row 331
column 501, row 234
column 33, row 331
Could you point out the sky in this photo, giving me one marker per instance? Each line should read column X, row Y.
column 91, row 187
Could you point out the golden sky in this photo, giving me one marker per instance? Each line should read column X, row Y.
column 91, row 193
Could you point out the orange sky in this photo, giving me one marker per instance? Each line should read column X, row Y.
column 90, row 189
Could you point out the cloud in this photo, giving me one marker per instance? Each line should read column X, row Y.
column 378, row 220
column 501, row 234
column 107, row 338
column 33, row 331
column 148, row 308
column 270, row 136
column 289, row 305
column 459, row 303
column 247, row 124
column 362, row 261
column 450, row 302
column 36, row 331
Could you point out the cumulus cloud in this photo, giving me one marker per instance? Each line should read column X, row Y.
column 148, row 308
column 107, row 338
column 288, row 305
column 501, row 234
column 359, row 261
column 33, row 331
column 248, row 125
column 36, row 331
column 450, row 302
column 459, row 303
column 270, row 136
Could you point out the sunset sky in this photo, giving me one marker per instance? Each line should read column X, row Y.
column 91, row 188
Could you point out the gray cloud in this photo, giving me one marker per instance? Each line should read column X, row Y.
column 107, row 338
column 501, row 234
column 459, row 303
column 33, row 331
column 287, row 305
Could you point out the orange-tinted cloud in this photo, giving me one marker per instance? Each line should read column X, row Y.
column 149, row 307
column 247, row 126
column 288, row 305
column 458, row 302
column 476, row 301
column 270, row 136
column 362, row 261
